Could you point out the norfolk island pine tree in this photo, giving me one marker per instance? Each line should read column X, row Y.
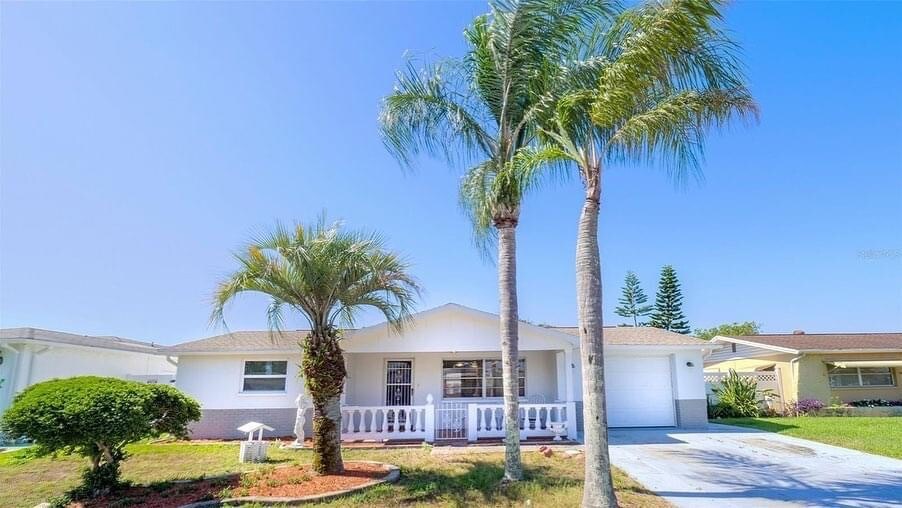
column 632, row 300
column 668, row 313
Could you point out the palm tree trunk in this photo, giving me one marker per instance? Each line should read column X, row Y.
column 507, row 293
column 598, row 490
column 327, row 435
column 324, row 375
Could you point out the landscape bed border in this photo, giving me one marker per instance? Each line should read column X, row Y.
column 392, row 475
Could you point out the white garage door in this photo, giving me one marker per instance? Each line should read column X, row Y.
column 639, row 391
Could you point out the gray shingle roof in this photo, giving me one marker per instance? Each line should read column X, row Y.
column 249, row 341
column 106, row 342
column 640, row 336
column 264, row 341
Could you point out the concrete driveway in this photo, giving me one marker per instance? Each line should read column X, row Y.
column 727, row 466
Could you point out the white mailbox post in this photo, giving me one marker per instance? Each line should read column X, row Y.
column 253, row 450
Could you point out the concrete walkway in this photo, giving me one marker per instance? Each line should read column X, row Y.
column 727, row 466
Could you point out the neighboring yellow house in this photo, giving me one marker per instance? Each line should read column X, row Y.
column 844, row 366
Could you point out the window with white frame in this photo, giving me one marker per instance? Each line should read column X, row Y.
column 477, row 378
column 855, row 377
column 264, row 376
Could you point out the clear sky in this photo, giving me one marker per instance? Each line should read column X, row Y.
column 142, row 143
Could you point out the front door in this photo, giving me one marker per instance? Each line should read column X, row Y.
column 398, row 391
column 398, row 383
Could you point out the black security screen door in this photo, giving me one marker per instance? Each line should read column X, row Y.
column 398, row 387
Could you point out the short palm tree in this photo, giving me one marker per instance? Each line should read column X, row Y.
column 479, row 111
column 649, row 86
column 326, row 274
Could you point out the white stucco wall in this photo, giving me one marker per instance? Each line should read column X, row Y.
column 215, row 381
column 62, row 361
column 366, row 375
column 68, row 362
column 689, row 382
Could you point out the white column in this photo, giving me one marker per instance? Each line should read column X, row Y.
column 560, row 376
column 24, row 361
column 571, row 421
column 568, row 375
column 429, row 419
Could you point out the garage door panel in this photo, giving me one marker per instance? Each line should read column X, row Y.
column 639, row 391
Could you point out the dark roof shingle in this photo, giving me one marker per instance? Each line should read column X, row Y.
column 829, row 341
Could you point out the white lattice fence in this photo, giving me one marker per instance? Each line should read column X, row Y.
column 767, row 380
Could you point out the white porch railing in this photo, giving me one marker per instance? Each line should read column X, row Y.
column 487, row 420
column 381, row 423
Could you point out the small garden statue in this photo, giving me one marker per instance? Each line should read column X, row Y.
column 302, row 402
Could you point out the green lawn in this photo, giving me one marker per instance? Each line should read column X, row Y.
column 882, row 436
column 426, row 480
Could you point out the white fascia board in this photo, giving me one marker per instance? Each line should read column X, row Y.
column 721, row 338
column 48, row 344
column 253, row 352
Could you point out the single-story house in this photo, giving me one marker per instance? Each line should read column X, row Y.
column 32, row 355
column 822, row 366
column 442, row 376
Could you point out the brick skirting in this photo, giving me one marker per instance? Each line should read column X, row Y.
column 222, row 423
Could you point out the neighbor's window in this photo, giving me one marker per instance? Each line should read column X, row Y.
column 477, row 378
column 854, row 377
column 264, row 376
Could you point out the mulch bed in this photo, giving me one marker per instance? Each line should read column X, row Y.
column 292, row 481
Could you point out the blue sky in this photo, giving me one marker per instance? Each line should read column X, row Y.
column 141, row 143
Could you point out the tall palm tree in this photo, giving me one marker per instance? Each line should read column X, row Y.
column 326, row 274
column 479, row 111
column 648, row 86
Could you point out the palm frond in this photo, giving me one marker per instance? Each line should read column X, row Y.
column 323, row 271
column 672, row 45
column 429, row 111
column 673, row 129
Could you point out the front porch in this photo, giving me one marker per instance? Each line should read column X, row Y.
column 454, row 422
column 448, row 396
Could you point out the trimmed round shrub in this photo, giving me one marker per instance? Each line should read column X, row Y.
column 96, row 417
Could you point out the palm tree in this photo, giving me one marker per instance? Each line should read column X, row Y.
column 649, row 86
column 479, row 111
column 326, row 274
